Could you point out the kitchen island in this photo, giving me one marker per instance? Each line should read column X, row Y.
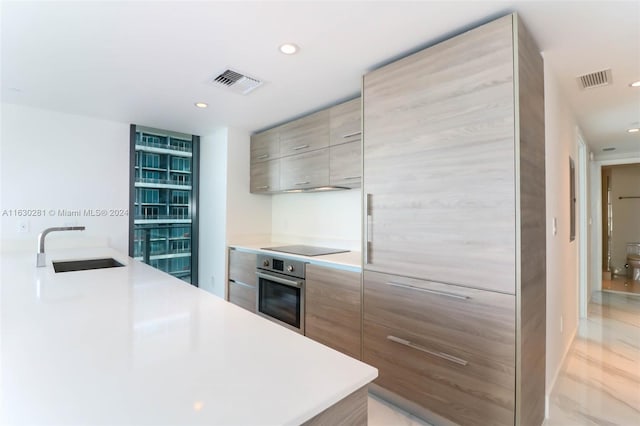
column 133, row 345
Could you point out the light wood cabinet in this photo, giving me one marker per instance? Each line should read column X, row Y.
column 265, row 176
column 345, row 164
column 333, row 308
column 242, row 284
column 453, row 186
column 305, row 134
column 308, row 170
column 345, row 122
column 265, row 145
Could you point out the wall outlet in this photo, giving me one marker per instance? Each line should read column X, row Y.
column 561, row 324
column 23, row 227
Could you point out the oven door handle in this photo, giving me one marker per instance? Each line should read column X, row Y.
column 290, row 283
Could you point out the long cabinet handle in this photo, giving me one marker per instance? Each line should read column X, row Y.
column 290, row 283
column 368, row 229
column 298, row 148
column 302, row 183
column 260, row 157
column 349, row 135
column 351, row 177
column 263, row 187
column 426, row 290
column 244, row 284
column 442, row 355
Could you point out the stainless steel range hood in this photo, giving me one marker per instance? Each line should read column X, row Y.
column 317, row 189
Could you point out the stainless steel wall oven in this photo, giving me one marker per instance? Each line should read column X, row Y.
column 281, row 286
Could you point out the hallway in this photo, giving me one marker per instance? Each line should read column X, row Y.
column 600, row 381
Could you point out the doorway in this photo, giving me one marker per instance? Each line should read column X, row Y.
column 618, row 226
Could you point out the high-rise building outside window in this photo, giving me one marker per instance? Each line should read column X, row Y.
column 163, row 222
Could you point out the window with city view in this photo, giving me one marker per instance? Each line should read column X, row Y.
column 164, row 174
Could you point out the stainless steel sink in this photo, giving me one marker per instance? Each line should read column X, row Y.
column 85, row 265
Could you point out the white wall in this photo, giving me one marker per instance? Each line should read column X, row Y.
column 53, row 161
column 562, row 255
column 228, row 212
column 323, row 218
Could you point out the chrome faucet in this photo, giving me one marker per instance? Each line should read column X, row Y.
column 42, row 259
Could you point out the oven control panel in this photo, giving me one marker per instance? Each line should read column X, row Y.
column 292, row 267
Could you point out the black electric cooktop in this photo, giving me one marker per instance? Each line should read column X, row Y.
column 306, row 250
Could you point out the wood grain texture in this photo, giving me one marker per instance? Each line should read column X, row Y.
column 532, row 294
column 350, row 411
column 333, row 308
column 305, row 134
column 265, row 177
column 345, row 122
column 459, row 393
column 438, row 161
column 307, row 170
column 243, row 295
column 345, row 165
column 242, row 267
column 455, row 320
column 265, row 145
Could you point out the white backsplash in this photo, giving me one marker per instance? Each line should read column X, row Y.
column 321, row 218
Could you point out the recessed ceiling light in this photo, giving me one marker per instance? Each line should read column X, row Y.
column 201, row 104
column 635, row 84
column 634, row 130
column 289, row 48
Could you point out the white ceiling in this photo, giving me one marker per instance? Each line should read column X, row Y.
column 148, row 62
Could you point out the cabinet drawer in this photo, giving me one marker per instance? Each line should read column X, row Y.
column 243, row 295
column 455, row 319
column 344, row 165
column 265, row 176
column 265, row 146
column 345, row 120
column 242, row 267
column 307, row 170
column 306, row 134
column 462, row 387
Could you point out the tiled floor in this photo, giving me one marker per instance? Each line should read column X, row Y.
column 600, row 380
column 621, row 285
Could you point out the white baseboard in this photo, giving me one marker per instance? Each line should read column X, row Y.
column 547, row 396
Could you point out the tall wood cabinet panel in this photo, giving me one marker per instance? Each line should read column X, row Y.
column 242, row 284
column 453, row 186
column 305, row 134
column 438, row 161
column 333, row 303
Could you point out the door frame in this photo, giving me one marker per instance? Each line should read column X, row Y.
column 596, row 213
column 583, row 213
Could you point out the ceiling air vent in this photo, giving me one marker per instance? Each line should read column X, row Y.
column 595, row 79
column 237, row 82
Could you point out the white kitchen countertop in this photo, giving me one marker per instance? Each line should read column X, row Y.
column 350, row 261
column 134, row 345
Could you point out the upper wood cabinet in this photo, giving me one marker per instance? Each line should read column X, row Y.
column 295, row 155
column 265, row 176
column 345, row 163
column 345, row 122
column 308, row 170
column 265, row 146
column 305, row 134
